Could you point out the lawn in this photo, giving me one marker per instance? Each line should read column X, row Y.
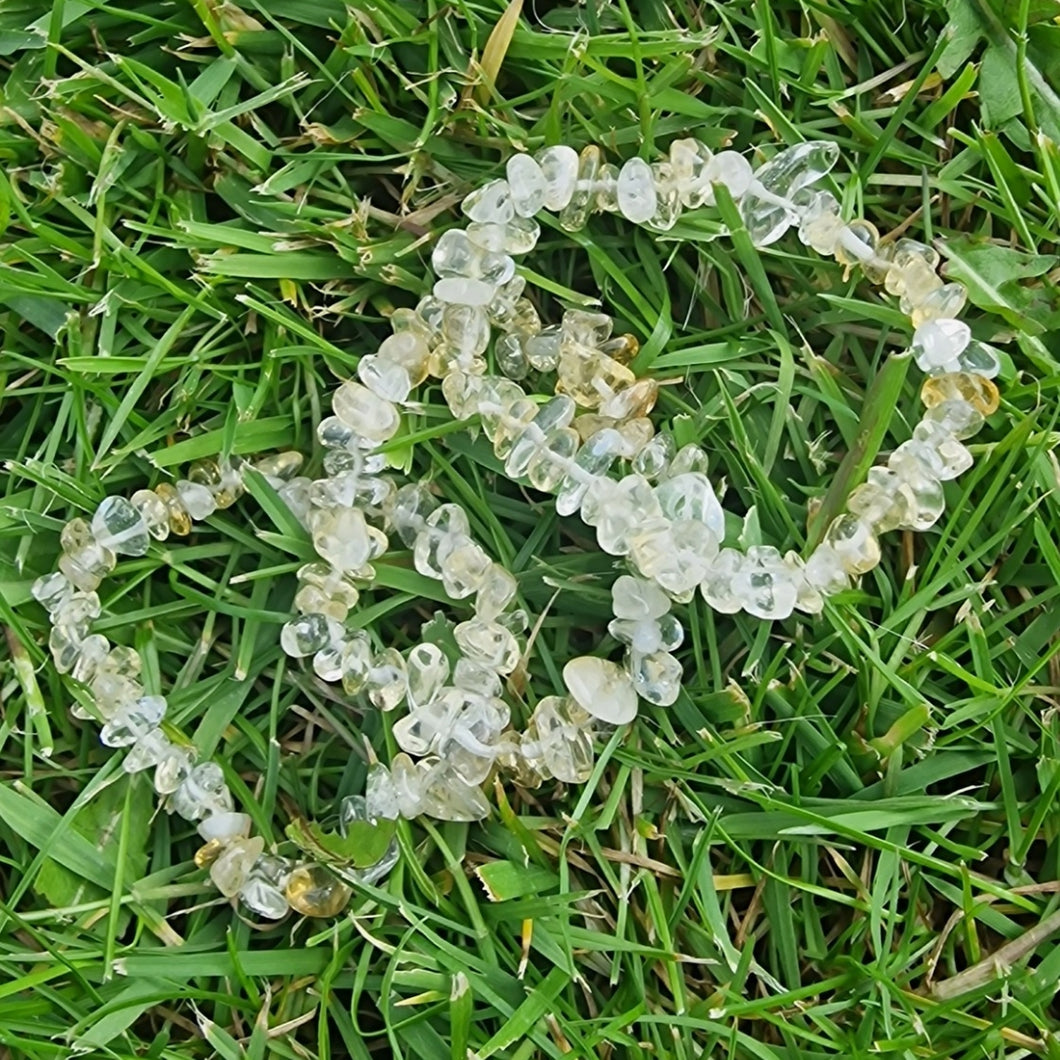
column 841, row 840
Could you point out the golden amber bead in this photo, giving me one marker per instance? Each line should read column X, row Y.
column 313, row 891
column 586, row 375
column 208, row 853
column 283, row 465
column 622, row 347
column 179, row 520
column 631, row 402
column 982, row 394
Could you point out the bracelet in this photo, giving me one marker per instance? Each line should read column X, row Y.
column 661, row 515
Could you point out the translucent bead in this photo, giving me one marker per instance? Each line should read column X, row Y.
column 765, row 584
column 283, row 466
column 883, row 500
column 386, row 379
column 857, row 245
column 153, row 512
column 654, row 458
column 313, row 891
column 344, row 539
column 528, row 183
column 938, row 344
column 920, row 490
column 428, row 670
column 387, row 680
column 720, row 586
column 465, row 292
column 510, row 358
column 617, row 509
column 473, row 676
column 94, row 650
column 173, row 770
column 408, row 510
column 132, row 721
column 630, row 402
column 355, row 808
column 550, row 462
column 368, row 414
column 542, row 349
column 980, row 359
column 327, row 662
column 783, row 177
column 854, row 544
column 601, row 688
column 262, row 892
column 488, row 643
column 505, row 425
column 179, row 518
column 295, row 495
column 408, row 350
column 728, row 168
column 588, row 376
column 575, row 213
column 150, row 749
column 912, row 264
column 495, row 592
column 976, row 390
column 118, row 526
column 688, row 162
column 938, row 450
column 447, row 797
column 635, row 191
column 84, row 562
column 557, row 412
column 825, row 571
column 307, row 634
column 326, row 591
column 490, row 203
column 956, row 417
column 558, row 740
column 232, row 868
column 202, row 791
column 221, row 478
column 677, row 555
column 690, row 495
column 559, row 166
column 945, row 302
column 808, row 598
column 356, row 662
column 466, row 331
column 443, row 530
column 197, row 500
column 464, row 568
column 667, row 198
column 65, row 642
column 820, row 223
column 593, row 459
column 224, row 826
column 52, row 591
column 656, row 677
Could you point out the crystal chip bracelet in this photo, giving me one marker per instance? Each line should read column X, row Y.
column 591, row 443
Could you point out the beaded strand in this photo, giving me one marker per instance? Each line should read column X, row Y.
column 661, row 514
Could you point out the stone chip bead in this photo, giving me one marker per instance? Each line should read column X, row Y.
column 263, row 890
column 119, row 526
column 230, row 870
column 315, row 892
column 528, row 184
column 854, row 543
column 179, row 517
column 579, row 206
column 635, row 191
column 371, row 416
column 975, row 390
column 938, row 344
column 84, row 562
column 558, row 740
column 559, row 166
column 153, row 511
column 601, row 688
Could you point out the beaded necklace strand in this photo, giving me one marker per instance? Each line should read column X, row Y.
column 659, row 512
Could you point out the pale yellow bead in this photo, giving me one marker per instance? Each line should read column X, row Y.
column 313, row 891
column 982, row 394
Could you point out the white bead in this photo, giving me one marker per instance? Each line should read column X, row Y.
column 601, row 688
column 637, row 197
column 938, row 344
column 559, row 165
column 528, row 185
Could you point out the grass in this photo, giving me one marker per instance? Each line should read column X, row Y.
column 208, row 210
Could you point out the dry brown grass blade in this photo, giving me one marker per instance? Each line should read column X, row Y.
column 496, row 49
